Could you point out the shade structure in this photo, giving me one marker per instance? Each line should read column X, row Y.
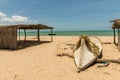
column 116, row 25
column 9, row 33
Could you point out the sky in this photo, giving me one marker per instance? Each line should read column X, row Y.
column 61, row 14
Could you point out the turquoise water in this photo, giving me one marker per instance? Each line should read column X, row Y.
column 71, row 33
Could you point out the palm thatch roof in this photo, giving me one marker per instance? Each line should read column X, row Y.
column 116, row 24
column 27, row 26
column 34, row 26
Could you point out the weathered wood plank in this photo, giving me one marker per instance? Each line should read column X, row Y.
column 8, row 38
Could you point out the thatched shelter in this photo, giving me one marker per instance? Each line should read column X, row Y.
column 8, row 34
column 116, row 25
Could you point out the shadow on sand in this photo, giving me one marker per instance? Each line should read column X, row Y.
column 29, row 43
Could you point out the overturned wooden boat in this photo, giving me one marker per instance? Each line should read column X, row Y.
column 86, row 52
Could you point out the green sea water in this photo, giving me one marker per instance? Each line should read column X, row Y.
column 70, row 33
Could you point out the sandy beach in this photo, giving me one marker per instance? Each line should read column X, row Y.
column 41, row 63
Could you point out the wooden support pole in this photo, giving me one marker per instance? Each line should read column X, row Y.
column 19, row 34
column 118, row 34
column 25, row 35
column 118, row 30
column 38, row 35
column 114, row 36
column 118, row 39
column 51, row 35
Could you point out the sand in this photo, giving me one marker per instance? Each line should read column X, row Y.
column 40, row 62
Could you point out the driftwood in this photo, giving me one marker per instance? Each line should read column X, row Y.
column 65, row 54
column 106, row 43
column 108, row 60
column 105, row 64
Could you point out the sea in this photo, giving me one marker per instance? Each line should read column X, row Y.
column 70, row 33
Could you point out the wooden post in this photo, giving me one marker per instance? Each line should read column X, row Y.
column 114, row 36
column 118, row 39
column 19, row 34
column 51, row 35
column 25, row 35
column 38, row 34
column 118, row 35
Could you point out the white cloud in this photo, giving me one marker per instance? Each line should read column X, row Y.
column 2, row 15
column 19, row 18
column 14, row 19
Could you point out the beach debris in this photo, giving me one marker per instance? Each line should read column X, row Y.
column 104, row 64
column 106, row 43
column 109, row 60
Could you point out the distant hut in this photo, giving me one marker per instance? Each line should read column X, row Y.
column 116, row 25
column 8, row 34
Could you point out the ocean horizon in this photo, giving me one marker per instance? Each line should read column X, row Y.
column 70, row 33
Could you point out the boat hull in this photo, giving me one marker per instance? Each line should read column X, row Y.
column 83, row 57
